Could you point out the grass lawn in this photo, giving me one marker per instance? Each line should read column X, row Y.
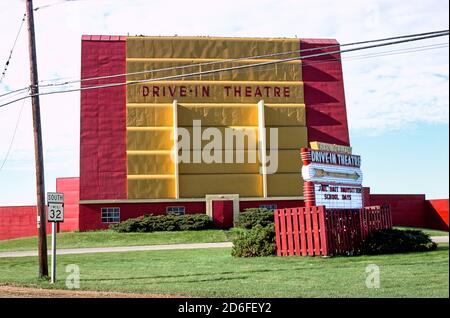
column 109, row 238
column 428, row 231
column 214, row 273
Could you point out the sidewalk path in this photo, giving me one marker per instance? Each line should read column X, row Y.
column 437, row 239
column 440, row 239
column 121, row 249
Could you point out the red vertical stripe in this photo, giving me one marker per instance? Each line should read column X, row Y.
column 290, row 236
column 71, row 189
column 326, row 115
column 283, row 232
column 296, row 232
column 315, row 225
column 277, row 231
column 103, row 171
column 309, row 230
column 301, row 216
column 323, row 231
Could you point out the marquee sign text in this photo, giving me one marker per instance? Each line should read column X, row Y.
column 205, row 91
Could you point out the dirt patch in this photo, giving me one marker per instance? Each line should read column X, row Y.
column 8, row 291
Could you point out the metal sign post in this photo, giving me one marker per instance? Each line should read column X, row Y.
column 55, row 214
column 53, row 273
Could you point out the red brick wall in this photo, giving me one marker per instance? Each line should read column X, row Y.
column 326, row 115
column 71, row 189
column 103, row 171
column 281, row 204
column 19, row 221
column 90, row 214
column 437, row 214
column 407, row 209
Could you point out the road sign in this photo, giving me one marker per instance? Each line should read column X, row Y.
column 55, row 212
column 55, row 197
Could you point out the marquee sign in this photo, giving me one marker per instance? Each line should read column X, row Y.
column 330, row 147
column 331, row 178
column 332, row 174
column 338, row 196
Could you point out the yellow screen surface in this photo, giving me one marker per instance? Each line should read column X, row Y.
column 222, row 100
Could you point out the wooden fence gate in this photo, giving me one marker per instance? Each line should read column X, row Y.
column 317, row 231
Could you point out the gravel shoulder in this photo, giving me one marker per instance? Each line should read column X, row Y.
column 9, row 291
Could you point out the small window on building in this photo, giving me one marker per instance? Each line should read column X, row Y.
column 175, row 210
column 110, row 215
column 270, row 207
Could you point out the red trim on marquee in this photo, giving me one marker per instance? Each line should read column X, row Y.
column 309, row 193
column 305, row 154
column 103, row 171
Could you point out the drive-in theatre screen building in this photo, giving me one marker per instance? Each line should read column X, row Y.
column 178, row 125
column 132, row 163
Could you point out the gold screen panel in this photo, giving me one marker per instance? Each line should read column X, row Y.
column 246, row 185
column 289, row 161
column 151, row 188
column 208, row 47
column 247, row 166
column 218, row 114
column 288, row 137
column 244, row 137
column 284, row 184
column 287, row 71
column 142, row 163
column 220, row 100
column 149, row 115
column 149, row 139
column 279, row 115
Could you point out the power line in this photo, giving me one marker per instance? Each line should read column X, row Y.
column 45, row 6
column 13, row 136
column 370, row 55
column 225, row 61
column 363, row 56
column 219, row 70
column 246, row 66
column 14, row 95
column 405, row 50
column 240, row 59
column 229, row 68
column 327, row 61
column 14, row 91
column 12, row 49
column 396, row 52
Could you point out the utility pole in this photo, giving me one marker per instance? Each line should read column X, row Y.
column 39, row 158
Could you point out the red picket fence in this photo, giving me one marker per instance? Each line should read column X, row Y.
column 375, row 218
column 317, row 231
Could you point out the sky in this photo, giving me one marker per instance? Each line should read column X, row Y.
column 397, row 105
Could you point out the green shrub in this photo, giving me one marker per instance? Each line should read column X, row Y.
column 253, row 217
column 258, row 241
column 151, row 223
column 397, row 241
